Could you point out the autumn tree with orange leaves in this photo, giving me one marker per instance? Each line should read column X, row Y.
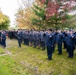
column 24, row 14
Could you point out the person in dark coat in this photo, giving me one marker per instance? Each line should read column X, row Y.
column 35, row 38
column 59, row 40
column 38, row 40
column 10, row 34
column 31, row 38
column 49, row 43
column 70, row 43
column 64, row 39
column 21, row 32
column 43, row 38
column 54, row 39
column 26, row 38
column 3, row 37
column 19, row 37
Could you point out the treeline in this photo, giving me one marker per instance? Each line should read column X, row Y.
column 42, row 14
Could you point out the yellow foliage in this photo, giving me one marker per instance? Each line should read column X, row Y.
column 2, row 18
column 23, row 17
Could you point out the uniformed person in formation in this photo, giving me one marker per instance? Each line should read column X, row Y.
column 19, row 38
column 70, row 44
column 31, row 38
column 59, row 40
column 43, row 39
column 3, row 38
column 65, row 39
column 26, row 37
column 35, row 38
column 49, row 43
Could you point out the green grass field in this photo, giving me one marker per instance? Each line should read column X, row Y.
column 1, row 50
column 9, row 66
column 31, row 61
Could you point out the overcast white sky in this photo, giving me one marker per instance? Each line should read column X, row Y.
column 9, row 7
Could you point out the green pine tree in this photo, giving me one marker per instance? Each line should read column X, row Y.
column 39, row 12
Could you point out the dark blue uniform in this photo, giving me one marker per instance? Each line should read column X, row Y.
column 35, row 38
column 64, row 40
column 59, row 39
column 70, row 43
column 3, row 37
column 21, row 33
column 31, row 38
column 38, row 39
column 43, row 38
column 19, row 37
column 54, row 39
column 50, row 45
column 26, row 37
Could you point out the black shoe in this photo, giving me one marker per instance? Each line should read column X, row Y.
column 50, row 59
column 59, row 53
column 69, row 56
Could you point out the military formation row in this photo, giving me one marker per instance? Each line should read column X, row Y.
column 48, row 39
